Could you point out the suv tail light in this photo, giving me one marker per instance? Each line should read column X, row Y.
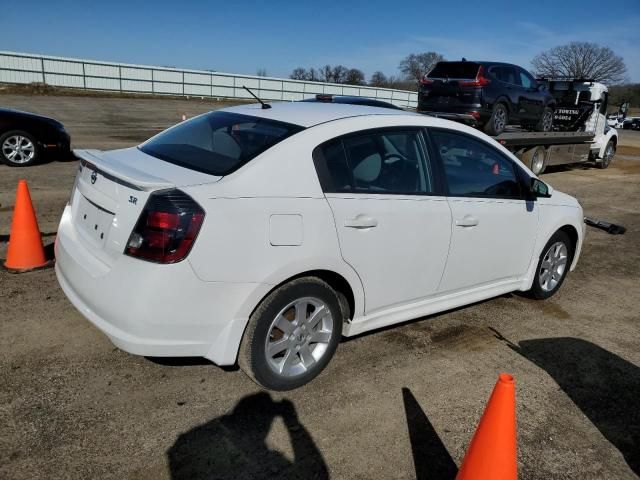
column 426, row 80
column 167, row 228
column 480, row 80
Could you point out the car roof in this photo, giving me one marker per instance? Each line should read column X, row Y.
column 308, row 114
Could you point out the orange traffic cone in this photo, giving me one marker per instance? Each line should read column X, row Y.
column 25, row 250
column 492, row 452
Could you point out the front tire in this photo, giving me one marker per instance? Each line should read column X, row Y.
column 553, row 266
column 18, row 149
column 292, row 335
column 498, row 121
column 545, row 124
column 609, row 152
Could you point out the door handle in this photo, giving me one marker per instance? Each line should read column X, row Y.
column 361, row 221
column 467, row 221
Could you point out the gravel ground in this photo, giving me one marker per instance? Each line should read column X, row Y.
column 397, row 403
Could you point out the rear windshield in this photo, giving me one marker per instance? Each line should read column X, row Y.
column 454, row 70
column 217, row 143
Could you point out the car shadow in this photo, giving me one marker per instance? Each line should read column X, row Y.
column 234, row 445
column 604, row 386
column 430, row 456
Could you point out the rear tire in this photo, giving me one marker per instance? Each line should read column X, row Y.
column 553, row 266
column 545, row 124
column 535, row 159
column 18, row 149
column 498, row 121
column 285, row 345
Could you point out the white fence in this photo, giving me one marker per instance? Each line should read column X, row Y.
column 121, row 77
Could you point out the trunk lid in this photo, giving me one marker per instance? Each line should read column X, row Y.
column 111, row 190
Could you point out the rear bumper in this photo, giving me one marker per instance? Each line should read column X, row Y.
column 155, row 310
column 468, row 114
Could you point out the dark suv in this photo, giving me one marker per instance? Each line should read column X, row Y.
column 489, row 95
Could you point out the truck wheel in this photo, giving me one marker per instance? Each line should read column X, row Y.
column 545, row 124
column 292, row 334
column 609, row 152
column 535, row 159
column 498, row 120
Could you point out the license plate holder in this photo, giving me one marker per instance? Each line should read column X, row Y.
column 93, row 220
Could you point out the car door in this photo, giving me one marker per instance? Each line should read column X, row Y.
column 494, row 228
column 531, row 99
column 393, row 225
column 506, row 75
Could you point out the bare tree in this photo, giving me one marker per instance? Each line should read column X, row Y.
column 313, row 75
column 581, row 60
column 298, row 74
column 326, row 74
column 416, row 65
column 378, row 79
column 354, row 76
column 340, row 74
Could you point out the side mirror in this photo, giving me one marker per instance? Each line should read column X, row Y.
column 539, row 189
column 541, row 87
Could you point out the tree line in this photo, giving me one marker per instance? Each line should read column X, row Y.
column 576, row 59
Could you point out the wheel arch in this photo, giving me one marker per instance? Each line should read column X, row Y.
column 335, row 280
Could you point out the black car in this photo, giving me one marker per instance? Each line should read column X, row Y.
column 25, row 138
column 371, row 102
column 489, row 95
column 631, row 124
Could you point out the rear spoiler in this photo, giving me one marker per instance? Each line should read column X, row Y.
column 120, row 172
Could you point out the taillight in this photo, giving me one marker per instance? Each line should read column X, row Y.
column 426, row 80
column 167, row 228
column 479, row 81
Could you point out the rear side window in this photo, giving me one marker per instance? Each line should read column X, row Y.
column 381, row 162
column 217, row 143
column 475, row 169
column 505, row 74
column 454, row 70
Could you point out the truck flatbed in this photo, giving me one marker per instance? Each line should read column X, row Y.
column 521, row 138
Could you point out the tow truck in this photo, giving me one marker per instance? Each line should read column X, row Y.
column 580, row 129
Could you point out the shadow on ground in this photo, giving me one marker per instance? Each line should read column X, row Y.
column 430, row 457
column 604, row 386
column 234, row 445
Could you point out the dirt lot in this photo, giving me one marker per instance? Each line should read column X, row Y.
column 398, row 403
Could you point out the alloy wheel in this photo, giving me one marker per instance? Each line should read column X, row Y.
column 553, row 266
column 499, row 119
column 547, row 121
column 18, row 149
column 608, row 154
column 299, row 336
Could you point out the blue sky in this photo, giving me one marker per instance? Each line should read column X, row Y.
column 242, row 36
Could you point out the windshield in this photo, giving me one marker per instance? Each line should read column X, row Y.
column 454, row 70
column 217, row 143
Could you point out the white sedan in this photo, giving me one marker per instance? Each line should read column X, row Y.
column 262, row 235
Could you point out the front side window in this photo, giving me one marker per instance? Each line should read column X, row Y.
column 474, row 169
column 217, row 143
column 381, row 162
column 526, row 80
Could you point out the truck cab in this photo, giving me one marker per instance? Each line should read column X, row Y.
column 582, row 107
